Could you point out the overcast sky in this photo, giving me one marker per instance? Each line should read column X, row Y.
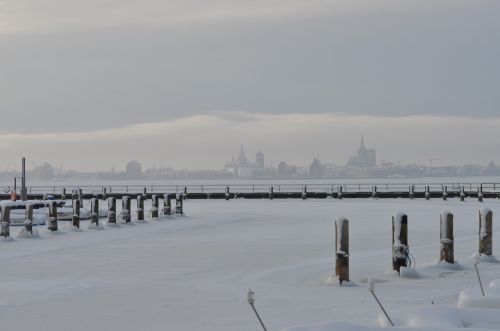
column 184, row 82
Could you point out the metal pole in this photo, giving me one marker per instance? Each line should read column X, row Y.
column 479, row 278
column 251, row 302
column 371, row 289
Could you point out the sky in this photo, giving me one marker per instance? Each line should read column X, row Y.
column 92, row 84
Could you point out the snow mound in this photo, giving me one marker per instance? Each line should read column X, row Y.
column 335, row 326
column 495, row 283
column 334, row 281
column 23, row 234
column 411, row 273
column 473, row 298
column 94, row 226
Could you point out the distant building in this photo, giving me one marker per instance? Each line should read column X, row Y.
column 259, row 160
column 133, row 170
column 241, row 167
column 316, row 169
column 365, row 158
column 43, row 172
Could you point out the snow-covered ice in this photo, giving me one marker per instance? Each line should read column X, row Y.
column 193, row 272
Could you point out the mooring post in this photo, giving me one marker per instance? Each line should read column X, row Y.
column 480, row 193
column 486, row 232
column 342, row 249
column 94, row 211
column 111, row 210
column 304, row 192
column 271, row 193
column 427, row 193
column 227, row 193
column 140, row 208
column 126, row 206
column 80, row 196
column 52, row 216
column 5, row 223
column 155, row 202
column 445, row 193
column 167, row 204
column 447, row 238
column 399, row 241
column 63, row 194
column 462, row 193
column 374, row 192
column 104, row 193
column 28, row 223
column 179, row 208
column 76, row 213
column 185, row 193
column 340, row 195
column 411, row 190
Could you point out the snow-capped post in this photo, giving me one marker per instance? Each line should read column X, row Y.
column 447, row 239
column 5, row 223
column 80, row 196
column 52, row 216
column 340, row 195
column 486, row 232
column 140, row 208
column 342, row 249
column 28, row 224
column 399, row 241
column 374, row 192
column 427, row 193
column 155, row 202
column 145, row 191
column 94, row 211
column 104, row 193
column 445, row 193
column 304, row 192
column 251, row 302
column 179, row 208
column 371, row 289
column 126, row 209
column 412, row 192
column 480, row 193
column 111, row 210
column 227, row 193
column 167, row 204
column 185, row 193
column 271, row 193
column 63, row 195
column 76, row 213
column 477, row 258
column 462, row 193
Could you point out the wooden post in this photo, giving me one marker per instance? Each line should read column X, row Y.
column 179, row 208
column 374, row 192
column 76, row 213
column 140, row 208
column 184, row 194
column 445, row 193
column 340, row 195
column 28, row 224
column 104, row 193
column 80, row 196
column 271, row 193
column 427, row 193
column 167, row 204
column 447, row 239
column 52, row 216
column 342, row 249
column 412, row 192
column 399, row 241
column 486, row 232
column 145, row 191
column 480, row 193
column 63, row 195
column 5, row 223
column 304, row 193
column 227, row 193
column 94, row 212
column 126, row 206
column 462, row 193
column 155, row 202
column 111, row 210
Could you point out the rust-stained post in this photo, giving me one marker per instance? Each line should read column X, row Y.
column 342, row 249
column 447, row 238
column 399, row 241
column 486, row 232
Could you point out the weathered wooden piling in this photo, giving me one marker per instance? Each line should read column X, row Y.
column 227, row 193
column 80, row 196
column 480, row 193
column 63, row 194
column 126, row 209
column 427, row 193
column 5, row 223
column 271, row 193
column 76, row 213
column 185, row 193
column 447, row 238
column 374, row 192
column 167, row 204
column 411, row 191
column 52, row 216
column 140, row 208
column 28, row 224
column 104, row 193
column 179, row 206
column 304, row 193
column 94, row 212
column 111, row 210
column 462, row 193
column 340, row 194
column 486, row 232
column 155, row 203
column 445, row 193
column 399, row 241
column 342, row 249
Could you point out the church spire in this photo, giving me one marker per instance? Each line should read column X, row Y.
column 362, row 140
